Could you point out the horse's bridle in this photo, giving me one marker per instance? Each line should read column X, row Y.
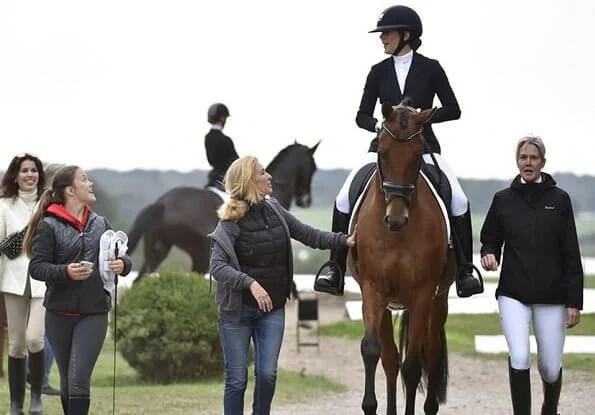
column 392, row 189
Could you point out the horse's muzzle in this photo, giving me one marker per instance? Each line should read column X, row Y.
column 395, row 223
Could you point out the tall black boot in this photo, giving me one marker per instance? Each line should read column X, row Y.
column 551, row 396
column 37, row 367
column 64, row 401
column 520, row 390
column 466, row 284
column 334, row 281
column 16, row 382
column 78, row 405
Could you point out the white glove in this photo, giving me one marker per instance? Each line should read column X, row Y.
column 378, row 126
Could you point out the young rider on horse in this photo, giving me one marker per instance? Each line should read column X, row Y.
column 405, row 73
column 219, row 147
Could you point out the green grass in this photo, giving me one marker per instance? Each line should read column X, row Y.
column 135, row 397
column 461, row 329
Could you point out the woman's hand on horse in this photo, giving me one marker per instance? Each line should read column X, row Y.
column 351, row 238
column 78, row 272
column 117, row 266
column 261, row 296
column 489, row 263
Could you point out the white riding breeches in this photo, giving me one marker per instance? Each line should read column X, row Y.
column 459, row 203
column 549, row 326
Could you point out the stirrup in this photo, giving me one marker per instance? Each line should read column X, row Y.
column 464, row 292
column 327, row 288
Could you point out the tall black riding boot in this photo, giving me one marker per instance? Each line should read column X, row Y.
column 334, row 281
column 466, row 284
column 551, row 396
column 520, row 390
column 64, row 402
column 16, row 382
column 37, row 367
column 78, row 405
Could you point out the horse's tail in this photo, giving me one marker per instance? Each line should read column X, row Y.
column 149, row 217
column 442, row 378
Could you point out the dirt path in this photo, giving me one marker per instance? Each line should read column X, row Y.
column 475, row 385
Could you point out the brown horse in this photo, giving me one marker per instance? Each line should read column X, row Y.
column 402, row 260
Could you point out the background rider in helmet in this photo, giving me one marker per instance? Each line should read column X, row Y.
column 219, row 147
column 405, row 73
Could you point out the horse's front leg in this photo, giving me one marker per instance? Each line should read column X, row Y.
column 370, row 349
column 373, row 309
column 389, row 355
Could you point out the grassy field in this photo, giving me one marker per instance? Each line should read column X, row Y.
column 135, row 397
column 461, row 329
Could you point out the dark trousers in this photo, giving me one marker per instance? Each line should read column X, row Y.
column 77, row 342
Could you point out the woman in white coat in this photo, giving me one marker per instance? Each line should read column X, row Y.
column 22, row 184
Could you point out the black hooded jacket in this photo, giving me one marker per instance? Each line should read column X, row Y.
column 542, row 261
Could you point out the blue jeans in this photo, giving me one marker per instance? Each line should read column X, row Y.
column 266, row 331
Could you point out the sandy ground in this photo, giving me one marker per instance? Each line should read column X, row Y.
column 475, row 385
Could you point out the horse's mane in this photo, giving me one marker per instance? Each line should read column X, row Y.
column 273, row 164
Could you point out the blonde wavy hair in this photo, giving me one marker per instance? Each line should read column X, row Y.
column 241, row 186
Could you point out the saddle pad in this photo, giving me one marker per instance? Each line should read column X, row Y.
column 432, row 188
column 224, row 196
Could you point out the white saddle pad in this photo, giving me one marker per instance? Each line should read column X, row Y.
column 224, row 196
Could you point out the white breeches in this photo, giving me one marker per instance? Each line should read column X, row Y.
column 459, row 202
column 549, row 326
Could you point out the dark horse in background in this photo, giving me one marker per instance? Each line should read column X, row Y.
column 402, row 260
column 184, row 216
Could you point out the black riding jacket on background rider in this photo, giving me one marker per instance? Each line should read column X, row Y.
column 425, row 80
column 220, row 151
column 542, row 261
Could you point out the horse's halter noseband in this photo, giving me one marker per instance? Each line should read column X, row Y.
column 392, row 189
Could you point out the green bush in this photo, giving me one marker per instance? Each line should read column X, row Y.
column 167, row 328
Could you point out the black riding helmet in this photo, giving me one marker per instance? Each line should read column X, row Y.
column 402, row 19
column 216, row 112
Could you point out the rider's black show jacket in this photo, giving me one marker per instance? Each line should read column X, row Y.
column 220, row 151
column 425, row 80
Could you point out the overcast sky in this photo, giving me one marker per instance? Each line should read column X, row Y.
column 126, row 84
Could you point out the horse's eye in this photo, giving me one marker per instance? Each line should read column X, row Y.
column 383, row 155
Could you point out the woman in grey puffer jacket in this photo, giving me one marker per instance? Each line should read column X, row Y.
column 62, row 234
column 251, row 258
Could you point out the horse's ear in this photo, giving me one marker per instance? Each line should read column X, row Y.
column 295, row 141
column 387, row 110
column 313, row 149
column 426, row 115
